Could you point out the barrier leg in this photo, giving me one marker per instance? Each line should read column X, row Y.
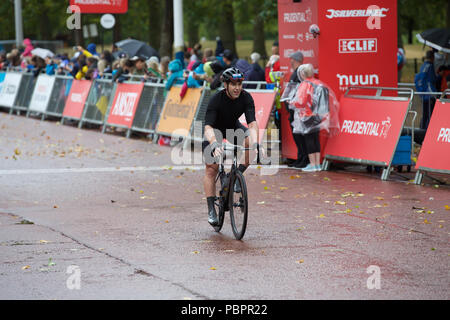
column 418, row 178
column 326, row 165
column 128, row 133
column 386, row 173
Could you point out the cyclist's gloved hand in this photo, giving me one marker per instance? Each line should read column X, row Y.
column 216, row 149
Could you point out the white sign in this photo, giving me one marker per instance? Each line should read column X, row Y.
column 9, row 89
column 41, row 93
column 107, row 21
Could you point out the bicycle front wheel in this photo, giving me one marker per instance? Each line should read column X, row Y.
column 238, row 204
column 219, row 203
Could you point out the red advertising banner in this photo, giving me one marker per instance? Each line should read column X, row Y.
column 369, row 129
column 77, row 98
column 294, row 20
column 101, row 6
column 435, row 151
column 263, row 107
column 125, row 103
column 358, row 40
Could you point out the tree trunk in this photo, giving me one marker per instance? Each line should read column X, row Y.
column 117, row 31
column 447, row 20
column 192, row 33
column 166, row 47
column 226, row 26
column 259, row 44
column 154, row 36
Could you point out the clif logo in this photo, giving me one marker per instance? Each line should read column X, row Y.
column 358, row 45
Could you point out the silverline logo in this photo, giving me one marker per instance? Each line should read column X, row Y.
column 362, row 13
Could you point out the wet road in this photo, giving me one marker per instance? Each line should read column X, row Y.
column 85, row 215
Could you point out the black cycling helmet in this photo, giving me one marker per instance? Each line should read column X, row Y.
column 232, row 74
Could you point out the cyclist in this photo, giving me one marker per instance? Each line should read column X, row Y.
column 221, row 120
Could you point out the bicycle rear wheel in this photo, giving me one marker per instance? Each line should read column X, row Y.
column 219, row 203
column 238, row 204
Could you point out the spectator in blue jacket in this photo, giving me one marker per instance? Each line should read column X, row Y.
column 425, row 81
column 176, row 72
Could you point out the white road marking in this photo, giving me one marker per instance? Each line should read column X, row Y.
column 108, row 169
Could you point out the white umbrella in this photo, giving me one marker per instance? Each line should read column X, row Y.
column 42, row 53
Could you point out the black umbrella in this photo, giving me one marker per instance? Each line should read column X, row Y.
column 437, row 38
column 137, row 48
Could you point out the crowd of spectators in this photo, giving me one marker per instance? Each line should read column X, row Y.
column 197, row 66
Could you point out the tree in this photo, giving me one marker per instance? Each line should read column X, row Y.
column 166, row 45
column 226, row 24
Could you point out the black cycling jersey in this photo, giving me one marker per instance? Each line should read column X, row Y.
column 224, row 113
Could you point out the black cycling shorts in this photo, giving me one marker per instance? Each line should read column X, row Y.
column 237, row 139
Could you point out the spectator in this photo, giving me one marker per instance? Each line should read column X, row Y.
column 140, row 68
column 275, row 48
column 3, row 61
column 13, row 58
column 273, row 65
column 229, row 58
column 125, row 68
column 305, row 110
column 219, row 47
column 425, row 81
column 39, row 65
column 175, row 73
column 400, row 62
column 196, row 53
column 28, row 48
column 217, row 67
column 295, row 59
column 92, row 72
column 208, row 55
column 256, row 72
column 164, row 67
column 51, row 66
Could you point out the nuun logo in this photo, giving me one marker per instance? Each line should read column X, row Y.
column 76, row 97
column 357, row 80
column 125, row 103
column 358, row 45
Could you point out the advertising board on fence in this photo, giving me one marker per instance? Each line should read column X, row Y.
column 41, row 93
column 125, row 103
column 9, row 89
column 369, row 130
column 435, row 151
column 263, row 107
column 101, row 6
column 77, row 98
column 178, row 114
column 359, row 42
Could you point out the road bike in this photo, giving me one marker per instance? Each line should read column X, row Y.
column 231, row 191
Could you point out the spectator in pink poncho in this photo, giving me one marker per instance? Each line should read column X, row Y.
column 28, row 48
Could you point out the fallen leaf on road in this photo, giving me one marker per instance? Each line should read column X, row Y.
column 340, row 202
column 17, row 152
column 426, row 221
column 321, row 216
column 212, row 268
column 300, row 261
column 26, row 267
column 261, row 202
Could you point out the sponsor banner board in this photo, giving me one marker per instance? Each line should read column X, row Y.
column 42, row 92
column 263, row 107
column 435, row 151
column 178, row 113
column 124, row 104
column 101, row 6
column 77, row 99
column 369, row 129
column 9, row 88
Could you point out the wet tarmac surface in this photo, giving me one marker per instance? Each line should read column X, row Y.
column 133, row 225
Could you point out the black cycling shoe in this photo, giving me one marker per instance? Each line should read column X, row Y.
column 212, row 215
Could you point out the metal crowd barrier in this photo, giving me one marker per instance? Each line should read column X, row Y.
column 98, row 102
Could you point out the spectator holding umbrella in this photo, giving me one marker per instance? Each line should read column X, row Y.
column 425, row 81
